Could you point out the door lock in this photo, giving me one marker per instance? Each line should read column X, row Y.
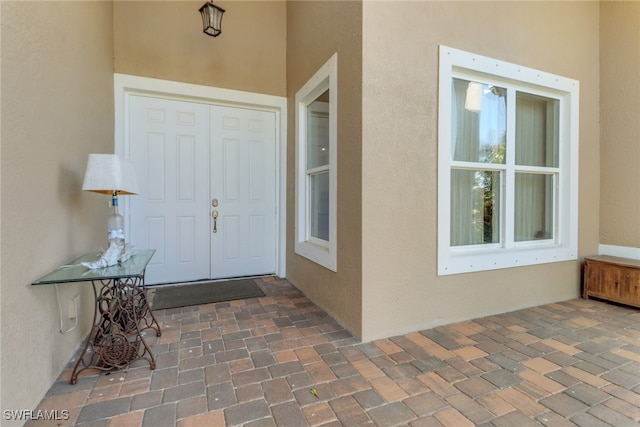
column 214, row 203
column 214, row 214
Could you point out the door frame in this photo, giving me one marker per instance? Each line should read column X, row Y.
column 126, row 85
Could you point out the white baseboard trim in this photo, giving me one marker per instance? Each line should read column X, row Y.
column 619, row 251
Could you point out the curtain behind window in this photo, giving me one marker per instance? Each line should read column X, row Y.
column 536, row 145
column 478, row 136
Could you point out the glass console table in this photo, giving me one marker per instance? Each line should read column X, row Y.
column 121, row 311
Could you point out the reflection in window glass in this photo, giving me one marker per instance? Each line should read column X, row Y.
column 537, row 134
column 319, row 209
column 475, row 207
column 318, row 166
column 318, row 132
column 479, row 114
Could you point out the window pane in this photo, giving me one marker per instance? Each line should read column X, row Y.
column 479, row 125
column 318, row 132
column 475, row 207
column 533, row 207
column 537, row 119
column 319, row 205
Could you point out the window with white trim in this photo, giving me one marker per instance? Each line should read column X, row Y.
column 507, row 165
column 316, row 174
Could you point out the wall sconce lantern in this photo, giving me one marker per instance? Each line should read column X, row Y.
column 211, row 19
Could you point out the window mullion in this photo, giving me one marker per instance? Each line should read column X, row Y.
column 556, row 210
column 508, row 208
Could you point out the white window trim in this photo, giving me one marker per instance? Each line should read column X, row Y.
column 318, row 251
column 454, row 260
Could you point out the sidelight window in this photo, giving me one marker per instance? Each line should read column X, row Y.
column 316, row 177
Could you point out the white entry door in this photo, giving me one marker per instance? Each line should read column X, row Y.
column 187, row 155
column 243, row 192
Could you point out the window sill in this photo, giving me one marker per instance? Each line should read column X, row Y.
column 458, row 263
column 321, row 255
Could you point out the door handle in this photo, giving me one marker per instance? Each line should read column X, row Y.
column 214, row 214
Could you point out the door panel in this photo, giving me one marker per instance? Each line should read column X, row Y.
column 243, row 179
column 186, row 155
column 169, row 145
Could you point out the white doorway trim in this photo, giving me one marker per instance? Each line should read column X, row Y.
column 126, row 85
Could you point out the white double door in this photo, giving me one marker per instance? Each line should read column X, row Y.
column 207, row 181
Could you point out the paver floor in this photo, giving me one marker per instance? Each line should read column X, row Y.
column 280, row 360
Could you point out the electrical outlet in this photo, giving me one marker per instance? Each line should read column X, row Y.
column 73, row 306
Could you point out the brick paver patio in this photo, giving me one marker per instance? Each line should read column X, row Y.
column 281, row 361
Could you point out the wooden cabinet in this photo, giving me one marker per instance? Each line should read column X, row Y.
column 613, row 279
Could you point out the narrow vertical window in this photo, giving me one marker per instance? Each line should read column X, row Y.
column 316, row 175
column 318, row 149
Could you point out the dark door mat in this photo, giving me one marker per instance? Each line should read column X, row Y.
column 173, row 296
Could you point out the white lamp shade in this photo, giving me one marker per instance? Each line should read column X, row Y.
column 109, row 173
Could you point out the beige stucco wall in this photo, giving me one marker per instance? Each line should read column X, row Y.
column 57, row 107
column 315, row 30
column 401, row 290
column 165, row 40
column 620, row 123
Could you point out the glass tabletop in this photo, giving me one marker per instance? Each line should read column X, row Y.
column 75, row 272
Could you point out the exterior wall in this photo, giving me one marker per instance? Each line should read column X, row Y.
column 57, row 107
column 401, row 290
column 164, row 40
column 315, row 30
column 620, row 127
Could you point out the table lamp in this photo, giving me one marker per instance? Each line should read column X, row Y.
column 112, row 175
